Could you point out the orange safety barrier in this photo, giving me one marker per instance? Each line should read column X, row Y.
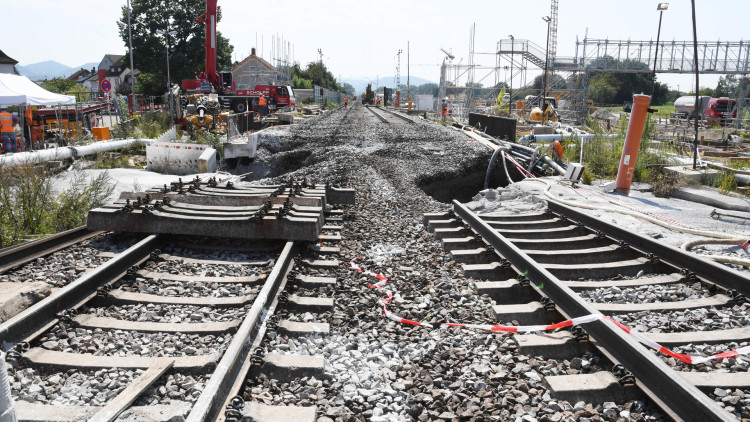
column 632, row 142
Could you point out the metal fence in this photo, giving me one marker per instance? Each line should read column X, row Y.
column 321, row 94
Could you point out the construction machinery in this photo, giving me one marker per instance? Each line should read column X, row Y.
column 369, row 96
column 222, row 84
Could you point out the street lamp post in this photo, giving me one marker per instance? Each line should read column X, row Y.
column 166, row 35
column 510, row 91
column 661, row 7
column 546, row 61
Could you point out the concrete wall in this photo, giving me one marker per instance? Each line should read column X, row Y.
column 179, row 158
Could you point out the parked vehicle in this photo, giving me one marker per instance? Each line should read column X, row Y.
column 714, row 110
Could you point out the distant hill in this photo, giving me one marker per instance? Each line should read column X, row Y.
column 51, row 69
column 360, row 84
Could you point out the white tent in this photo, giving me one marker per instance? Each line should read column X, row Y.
column 16, row 89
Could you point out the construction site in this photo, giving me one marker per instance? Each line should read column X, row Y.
column 533, row 237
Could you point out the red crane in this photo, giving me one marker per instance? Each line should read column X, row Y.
column 209, row 18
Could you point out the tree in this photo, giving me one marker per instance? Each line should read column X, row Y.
column 315, row 73
column 186, row 51
column 348, row 89
column 727, row 86
column 59, row 85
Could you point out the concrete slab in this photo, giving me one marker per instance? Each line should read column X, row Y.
column 33, row 412
column 472, row 256
column 491, row 271
column 507, row 292
column 270, row 227
column 598, row 255
column 717, row 380
column 697, row 176
column 310, row 304
column 546, row 223
column 624, row 308
column 55, row 359
column 199, row 261
column 544, row 234
column 531, row 313
column 259, row 412
column 251, row 279
column 121, row 296
column 576, row 242
column 285, row 368
column 605, row 270
column 296, row 328
column 16, row 297
column 596, row 388
column 699, row 337
column 312, row 282
column 91, row 321
column 561, row 345
column 658, row 280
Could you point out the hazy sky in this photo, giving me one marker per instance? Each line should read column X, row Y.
column 360, row 39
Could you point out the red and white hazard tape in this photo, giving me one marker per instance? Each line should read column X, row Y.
column 531, row 328
column 383, row 280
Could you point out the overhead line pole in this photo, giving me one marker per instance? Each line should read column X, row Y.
column 132, row 67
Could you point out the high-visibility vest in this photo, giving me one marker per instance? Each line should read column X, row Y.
column 29, row 116
column 6, row 122
column 262, row 101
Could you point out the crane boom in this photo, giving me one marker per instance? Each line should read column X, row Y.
column 209, row 18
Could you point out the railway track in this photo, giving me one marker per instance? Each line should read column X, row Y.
column 564, row 265
column 165, row 329
column 16, row 256
column 387, row 116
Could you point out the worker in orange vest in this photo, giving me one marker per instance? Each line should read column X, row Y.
column 263, row 105
column 7, row 132
column 346, row 101
column 444, row 108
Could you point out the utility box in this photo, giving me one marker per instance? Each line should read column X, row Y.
column 100, row 133
column 573, row 172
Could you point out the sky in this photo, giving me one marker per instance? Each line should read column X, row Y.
column 361, row 39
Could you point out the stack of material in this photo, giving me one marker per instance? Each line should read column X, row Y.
column 292, row 212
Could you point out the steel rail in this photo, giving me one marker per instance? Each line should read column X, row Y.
column 45, row 312
column 15, row 256
column 684, row 399
column 710, row 270
column 219, row 386
column 382, row 119
column 399, row 115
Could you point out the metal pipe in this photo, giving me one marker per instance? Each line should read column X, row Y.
column 39, row 156
column 560, row 137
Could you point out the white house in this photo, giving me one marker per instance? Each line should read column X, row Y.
column 7, row 65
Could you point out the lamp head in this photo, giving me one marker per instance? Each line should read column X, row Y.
column 511, row 37
column 662, row 6
column 546, row 19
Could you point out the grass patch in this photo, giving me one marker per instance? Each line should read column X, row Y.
column 601, row 156
column 726, row 183
column 29, row 208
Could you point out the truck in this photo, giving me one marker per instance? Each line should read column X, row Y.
column 211, row 81
column 714, row 110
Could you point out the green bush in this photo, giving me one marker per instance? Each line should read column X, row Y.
column 726, row 183
column 30, row 208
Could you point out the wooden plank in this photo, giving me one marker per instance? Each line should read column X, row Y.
column 112, row 410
